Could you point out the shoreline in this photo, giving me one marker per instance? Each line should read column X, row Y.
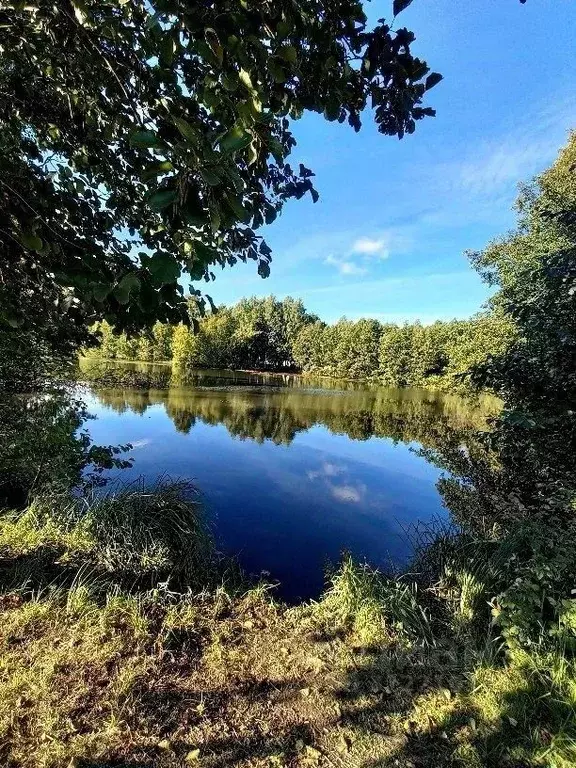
column 464, row 392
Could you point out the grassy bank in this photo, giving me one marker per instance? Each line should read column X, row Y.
column 126, row 641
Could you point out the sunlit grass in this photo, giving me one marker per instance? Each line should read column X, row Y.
column 127, row 643
column 35, row 527
column 131, row 532
column 373, row 606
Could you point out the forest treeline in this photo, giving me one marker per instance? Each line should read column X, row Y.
column 281, row 335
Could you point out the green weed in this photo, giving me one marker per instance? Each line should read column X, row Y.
column 373, row 606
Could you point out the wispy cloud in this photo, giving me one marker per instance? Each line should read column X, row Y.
column 328, row 469
column 392, row 284
column 497, row 164
column 140, row 443
column 345, row 266
column 427, row 296
column 350, row 494
column 370, row 246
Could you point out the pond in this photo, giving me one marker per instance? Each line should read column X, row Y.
column 292, row 471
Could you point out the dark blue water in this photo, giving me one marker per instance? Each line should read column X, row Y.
column 291, row 477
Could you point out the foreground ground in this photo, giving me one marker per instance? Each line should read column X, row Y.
column 98, row 672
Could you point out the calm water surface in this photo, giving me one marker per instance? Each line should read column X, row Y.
column 292, row 472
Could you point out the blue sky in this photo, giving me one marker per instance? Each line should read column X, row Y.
column 388, row 236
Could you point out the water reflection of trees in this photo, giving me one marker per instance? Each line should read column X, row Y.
column 428, row 418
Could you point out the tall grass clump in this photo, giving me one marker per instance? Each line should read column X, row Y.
column 464, row 574
column 373, row 607
column 158, row 529
column 132, row 533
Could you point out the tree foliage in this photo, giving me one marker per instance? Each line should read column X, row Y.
column 144, row 142
column 535, row 269
column 527, row 469
column 268, row 334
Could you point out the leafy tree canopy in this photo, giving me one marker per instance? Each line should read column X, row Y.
column 535, row 269
column 141, row 142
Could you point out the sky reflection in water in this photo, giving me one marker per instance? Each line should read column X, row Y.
column 292, row 477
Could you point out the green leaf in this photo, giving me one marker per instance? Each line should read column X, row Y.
column 204, row 252
column 252, row 154
column 235, row 205
column 214, row 44
column 187, row 130
column 101, row 291
column 270, row 214
column 215, row 219
column 167, row 49
column 80, row 12
column 288, row 53
column 277, row 150
column 194, row 212
column 245, row 79
column 152, row 21
column 332, row 110
column 164, row 267
column 263, row 269
column 31, row 241
column 235, row 139
column 433, row 79
column 213, row 307
column 229, row 83
column 13, row 322
column 155, row 169
column 162, row 199
column 210, row 176
column 196, row 219
column 125, row 287
column 283, row 29
column 205, row 52
column 144, row 139
column 277, row 71
column 265, row 250
column 399, row 5
column 231, row 173
column 255, row 106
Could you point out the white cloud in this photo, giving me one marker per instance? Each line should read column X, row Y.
column 496, row 166
column 328, row 469
column 348, row 493
column 345, row 266
column 369, row 246
column 140, row 443
column 349, row 268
